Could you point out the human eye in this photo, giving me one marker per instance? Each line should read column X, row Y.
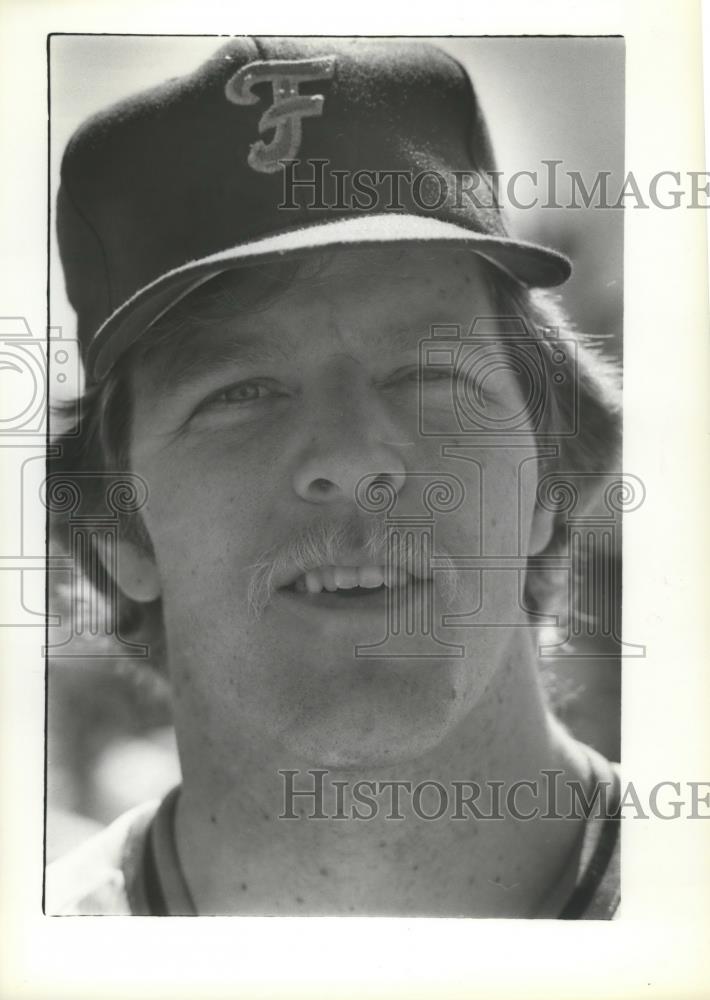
column 432, row 373
column 419, row 374
column 244, row 396
column 484, row 386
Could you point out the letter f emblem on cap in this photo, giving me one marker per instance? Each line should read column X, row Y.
column 289, row 106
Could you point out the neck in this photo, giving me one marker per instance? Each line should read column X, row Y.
column 250, row 844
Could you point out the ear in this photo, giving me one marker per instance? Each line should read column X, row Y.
column 137, row 573
column 541, row 530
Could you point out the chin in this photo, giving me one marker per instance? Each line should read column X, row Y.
column 372, row 731
column 380, row 752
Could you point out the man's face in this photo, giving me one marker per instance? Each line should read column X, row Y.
column 269, row 432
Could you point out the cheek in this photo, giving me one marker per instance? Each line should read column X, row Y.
column 498, row 486
column 510, row 479
column 207, row 517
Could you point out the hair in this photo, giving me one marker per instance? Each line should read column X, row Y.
column 99, row 439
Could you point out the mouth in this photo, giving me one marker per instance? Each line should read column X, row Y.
column 337, row 587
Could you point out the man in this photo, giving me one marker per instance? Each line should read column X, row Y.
column 308, row 334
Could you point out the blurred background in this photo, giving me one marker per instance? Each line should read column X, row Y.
column 110, row 740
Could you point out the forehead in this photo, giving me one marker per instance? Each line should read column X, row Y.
column 384, row 299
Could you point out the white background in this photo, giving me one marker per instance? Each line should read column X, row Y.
column 658, row 947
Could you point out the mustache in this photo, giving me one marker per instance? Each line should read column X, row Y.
column 323, row 542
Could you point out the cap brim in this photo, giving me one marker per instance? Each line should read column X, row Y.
column 532, row 265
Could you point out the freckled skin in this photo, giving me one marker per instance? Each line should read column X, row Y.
column 250, row 697
column 224, row 488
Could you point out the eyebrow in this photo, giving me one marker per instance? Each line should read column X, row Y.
column 189, row 362
column 194, row 355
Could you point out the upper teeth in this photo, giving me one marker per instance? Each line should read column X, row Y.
column 346, row 577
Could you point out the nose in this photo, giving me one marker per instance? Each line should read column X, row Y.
column 341, row 483
column 352, row 447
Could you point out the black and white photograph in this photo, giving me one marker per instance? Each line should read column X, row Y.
column 343, row 480
column 354, row 433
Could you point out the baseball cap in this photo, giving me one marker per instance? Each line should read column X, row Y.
column 273, row 147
